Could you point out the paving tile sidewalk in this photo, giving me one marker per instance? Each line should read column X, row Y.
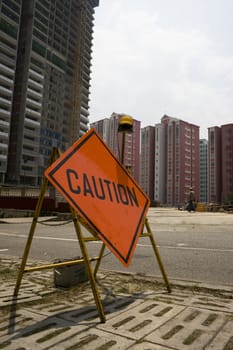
column 140, row 314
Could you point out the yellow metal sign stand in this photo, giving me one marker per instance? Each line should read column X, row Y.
column 148, row 233
column 78, row 222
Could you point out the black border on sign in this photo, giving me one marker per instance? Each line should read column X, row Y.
column 80, row 211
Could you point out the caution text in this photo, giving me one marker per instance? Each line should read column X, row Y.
column 100, row 188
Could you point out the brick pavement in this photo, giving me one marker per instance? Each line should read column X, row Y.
column 140, row 314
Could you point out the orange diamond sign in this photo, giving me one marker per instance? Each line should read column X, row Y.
column 102, row 192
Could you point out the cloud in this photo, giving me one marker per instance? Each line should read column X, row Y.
column 148, row 69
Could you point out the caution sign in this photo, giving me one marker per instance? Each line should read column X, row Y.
column 102, row 192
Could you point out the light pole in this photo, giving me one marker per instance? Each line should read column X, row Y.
column 125, row 125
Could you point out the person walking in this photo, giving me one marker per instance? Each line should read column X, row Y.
column 191, row 200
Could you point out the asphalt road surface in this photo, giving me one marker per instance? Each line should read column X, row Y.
column 192, row 246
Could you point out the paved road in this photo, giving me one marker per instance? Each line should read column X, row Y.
column 193, row 246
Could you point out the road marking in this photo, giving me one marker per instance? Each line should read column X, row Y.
column 197, row 248
column 138, row 245
column 37, row 237
column 4, row 250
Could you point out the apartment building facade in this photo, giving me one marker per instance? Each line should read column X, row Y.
column 214, row 165
column 9, row 33
column 220, row 164
column 176, row 160
column 160, row 164
column 147, row 160
column 203, row 170
column 44, row 97
column 227, row 163
column 102, row 128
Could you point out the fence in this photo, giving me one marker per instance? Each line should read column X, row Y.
column 26, row 199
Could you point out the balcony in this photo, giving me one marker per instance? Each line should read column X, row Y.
column 32, row 122
column 30, row 111
column 35, row 84
column 36, row 74
column 34, row 93
column 5, row 102
column 31, row 102
column 3, row 146
column 3, row 122
column 6, row 91
column 3, row 157
column 4, row 135
column 6, row 69
column 5, row 113
column 6, row 80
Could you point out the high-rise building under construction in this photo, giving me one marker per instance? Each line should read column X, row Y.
column 45, row 60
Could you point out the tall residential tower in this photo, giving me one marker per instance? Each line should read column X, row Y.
column 214, row 165
column 176, row 160
column 147, row 160
column 220, row 164
column 45, row 78
column 203, row 170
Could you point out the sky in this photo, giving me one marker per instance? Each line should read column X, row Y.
column 156, row 57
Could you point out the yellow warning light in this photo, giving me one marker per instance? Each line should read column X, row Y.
column 125, row 123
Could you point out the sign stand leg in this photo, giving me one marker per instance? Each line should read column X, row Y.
column 100, row 257
column 88, row 266
column 81, row 239
column 156, row 252
column 155, row 249
column 33, row 227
